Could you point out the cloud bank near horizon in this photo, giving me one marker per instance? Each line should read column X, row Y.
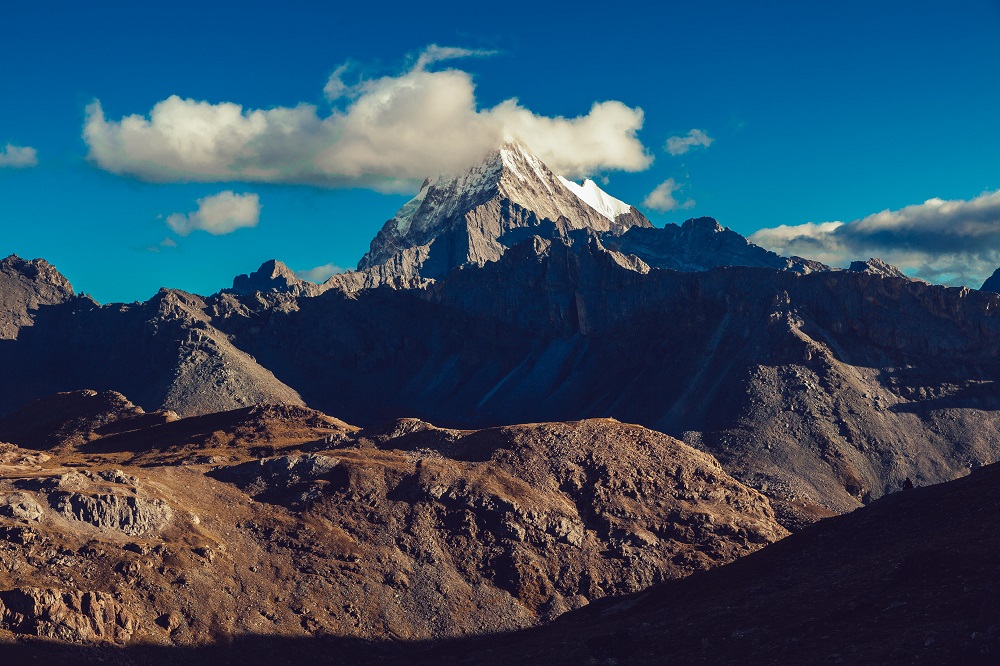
column 953, row 242
column 388, row 134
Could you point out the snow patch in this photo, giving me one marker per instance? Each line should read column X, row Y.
column 596, row 198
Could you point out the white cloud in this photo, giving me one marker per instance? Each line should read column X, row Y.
column 435, row 53
column 678, row 145
column 218, row 214
column 335, row 87
column 953, row 242
column 662, row 198
column 604, row 139
column 319, row 274
column 392, row 133
column 18, row 157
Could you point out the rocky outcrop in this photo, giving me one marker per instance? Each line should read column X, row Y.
column 108, row 500
column 21, row 506
column 876, row 266
column 271, row 479
column 65, row 615
column 273, row 275
column 26, row 286
column 127, row 514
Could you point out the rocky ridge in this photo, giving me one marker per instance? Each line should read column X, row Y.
column 876, row 266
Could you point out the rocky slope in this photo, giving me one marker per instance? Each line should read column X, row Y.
column 164, row 351
column 910, row 579
column 26, row 286
column 283, row 521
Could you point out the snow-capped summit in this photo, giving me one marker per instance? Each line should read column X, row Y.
column 474, row 217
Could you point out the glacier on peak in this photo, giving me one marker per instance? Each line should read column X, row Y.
column 596, row 198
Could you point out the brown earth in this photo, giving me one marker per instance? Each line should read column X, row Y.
column 282, row 521
column 911, row 578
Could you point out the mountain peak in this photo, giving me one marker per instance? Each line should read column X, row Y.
column 876, row 266
column 475, row 216
column 992, row 282
column 703, row 224
column 272, row 275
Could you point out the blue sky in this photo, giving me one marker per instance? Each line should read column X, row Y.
column 818, row 113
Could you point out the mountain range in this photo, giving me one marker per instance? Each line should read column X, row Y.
column 504, row 295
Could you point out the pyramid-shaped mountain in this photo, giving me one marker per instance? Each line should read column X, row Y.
column 473, row 218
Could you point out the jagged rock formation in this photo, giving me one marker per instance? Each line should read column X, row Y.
column 280, row 520
column 25, row 286
column 700, row 244
column 876, row 266
column 65, row 615
column 273, row 276
column 992, row 283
